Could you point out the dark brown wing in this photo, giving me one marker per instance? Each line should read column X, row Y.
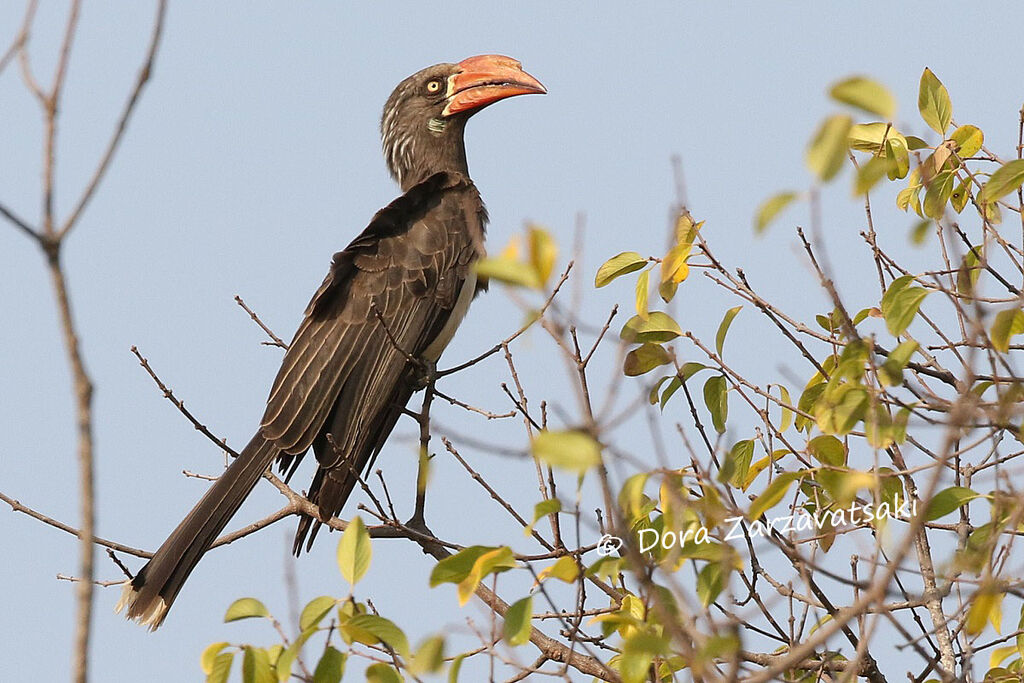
column 342, row 373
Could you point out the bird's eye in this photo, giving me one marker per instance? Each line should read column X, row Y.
column 434, row 86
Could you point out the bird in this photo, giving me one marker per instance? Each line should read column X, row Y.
column 387, row 308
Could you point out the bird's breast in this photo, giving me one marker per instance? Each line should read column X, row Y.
column 436, row 347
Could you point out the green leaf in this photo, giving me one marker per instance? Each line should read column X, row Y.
column 643, row 290
column 544, row 508
column 429, row 657
column 891, row 372
column 517, row 621
column 828, row 450
column 1005, row 180
column 870, row 172
column 453, row 670
column 220, row 669
column 658, row 327
column 616, row 266
column 315, row 610
column 354, row 551
column 643, row 359
column 933, row 103
column 382, row 673
column 638, row 652
column 901, row 303
column 716, row 398
column 1008, row 322
column 283, row 665
column 737, row 462
column 331, row 666
column 723, row 327
column 256, row 666
column 827, row 150
column 508, row 271
column 771, row 208
column 245, row 608
column 898, row 159
column 940, row 189
column 968, row 139
column 710, row 582
column 206, row 660
column 381, row 629
column 772, row 494
column 569, row 450
column 948, row 500
column 962, row 193
column 865, row 94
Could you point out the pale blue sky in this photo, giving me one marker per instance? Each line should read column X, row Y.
column 254, row 155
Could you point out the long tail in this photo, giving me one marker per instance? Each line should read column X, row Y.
column 151, row 592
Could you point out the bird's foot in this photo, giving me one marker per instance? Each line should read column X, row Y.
column 424, row 372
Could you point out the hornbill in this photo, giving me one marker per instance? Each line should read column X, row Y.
column 384, row 313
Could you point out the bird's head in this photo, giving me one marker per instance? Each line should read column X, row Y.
column 423, row 120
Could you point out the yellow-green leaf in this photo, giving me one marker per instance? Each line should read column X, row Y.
column 565, row 569
column 570, row 450
column 1005, row 180
column 517, row 621
column 772, row 494
column 643, row 289
column 354, row 551
column 315, row 610
column 206, row 660
column 220, row 668
column 827, row 150
column 828, row 450
column 933, row 103
column 429, row 657
column 509, row 272
column 986, row 606
column 891, row 372
column 968, row 139
column 657, row 327
column 543, row 252
column 865, row 94
column 723, row 327
column 256, row 666
column 455, row 568
column 245, row 608
column 1008, row 322
column 673, row 267
column 771, row 208
column 616, row 266
column 493, row 561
